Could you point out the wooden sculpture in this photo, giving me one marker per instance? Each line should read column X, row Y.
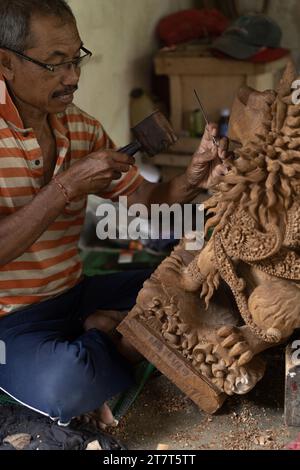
column 204, row 317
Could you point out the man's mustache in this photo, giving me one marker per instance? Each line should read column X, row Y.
column 67, row 91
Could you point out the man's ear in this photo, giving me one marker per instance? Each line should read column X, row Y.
column 6, row 64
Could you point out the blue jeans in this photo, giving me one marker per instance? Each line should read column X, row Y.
column 52, row 365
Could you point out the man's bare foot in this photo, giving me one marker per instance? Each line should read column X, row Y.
column 107, row 321
column 104, row 320
column 101, row 418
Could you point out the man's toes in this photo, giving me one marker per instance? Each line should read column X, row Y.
column 106, row 417
column 105, row 321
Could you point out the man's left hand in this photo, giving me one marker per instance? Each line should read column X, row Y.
column 210, row 161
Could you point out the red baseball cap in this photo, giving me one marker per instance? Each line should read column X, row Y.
column 187, row 25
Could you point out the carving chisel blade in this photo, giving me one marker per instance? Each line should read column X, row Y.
column 204, row 115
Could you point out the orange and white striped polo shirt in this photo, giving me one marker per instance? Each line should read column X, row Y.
column 52, row 264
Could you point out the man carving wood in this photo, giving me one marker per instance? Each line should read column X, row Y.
column 60, row 360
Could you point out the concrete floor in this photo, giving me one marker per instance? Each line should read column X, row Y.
column 163, row 414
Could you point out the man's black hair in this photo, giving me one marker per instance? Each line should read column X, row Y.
column 15, row 16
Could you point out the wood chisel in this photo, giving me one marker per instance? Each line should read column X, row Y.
column 205, row 116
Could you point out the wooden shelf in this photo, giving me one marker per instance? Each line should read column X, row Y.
column 176, row 64
column 216, row 80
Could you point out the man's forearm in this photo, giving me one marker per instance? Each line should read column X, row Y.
column 175, row 191
column 21, row 229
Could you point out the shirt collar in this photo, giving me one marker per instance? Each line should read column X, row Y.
column 8, row 108
column 57, row 125
column 10, row 113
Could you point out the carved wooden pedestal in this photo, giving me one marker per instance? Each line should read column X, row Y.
column 171, row 364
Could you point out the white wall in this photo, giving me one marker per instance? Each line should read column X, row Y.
column 121, row 33
column 287, row 15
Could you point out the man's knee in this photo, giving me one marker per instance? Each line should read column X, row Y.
column 64, row 384
column 79, row 376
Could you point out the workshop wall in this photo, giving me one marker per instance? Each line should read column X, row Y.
column 287, row 15
column 121, row 34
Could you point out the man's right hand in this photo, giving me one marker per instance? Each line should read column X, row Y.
column 89, row 175
column 94, row 173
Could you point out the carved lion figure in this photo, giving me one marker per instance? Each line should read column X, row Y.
column 220, row 307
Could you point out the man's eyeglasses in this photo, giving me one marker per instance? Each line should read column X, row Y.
column 77, row 63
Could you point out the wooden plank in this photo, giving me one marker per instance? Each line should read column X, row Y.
column 292, row 385
column 172, row 364
column 192, row 51
column 176, row 102
column 211, row 66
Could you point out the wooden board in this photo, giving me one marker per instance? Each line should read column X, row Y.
column 172, row 365
column 182, row 64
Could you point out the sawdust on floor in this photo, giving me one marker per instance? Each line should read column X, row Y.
column 163, row 414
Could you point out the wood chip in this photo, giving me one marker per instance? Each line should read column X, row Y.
column 94, row 446
column 162, row 447
column 18, row 441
